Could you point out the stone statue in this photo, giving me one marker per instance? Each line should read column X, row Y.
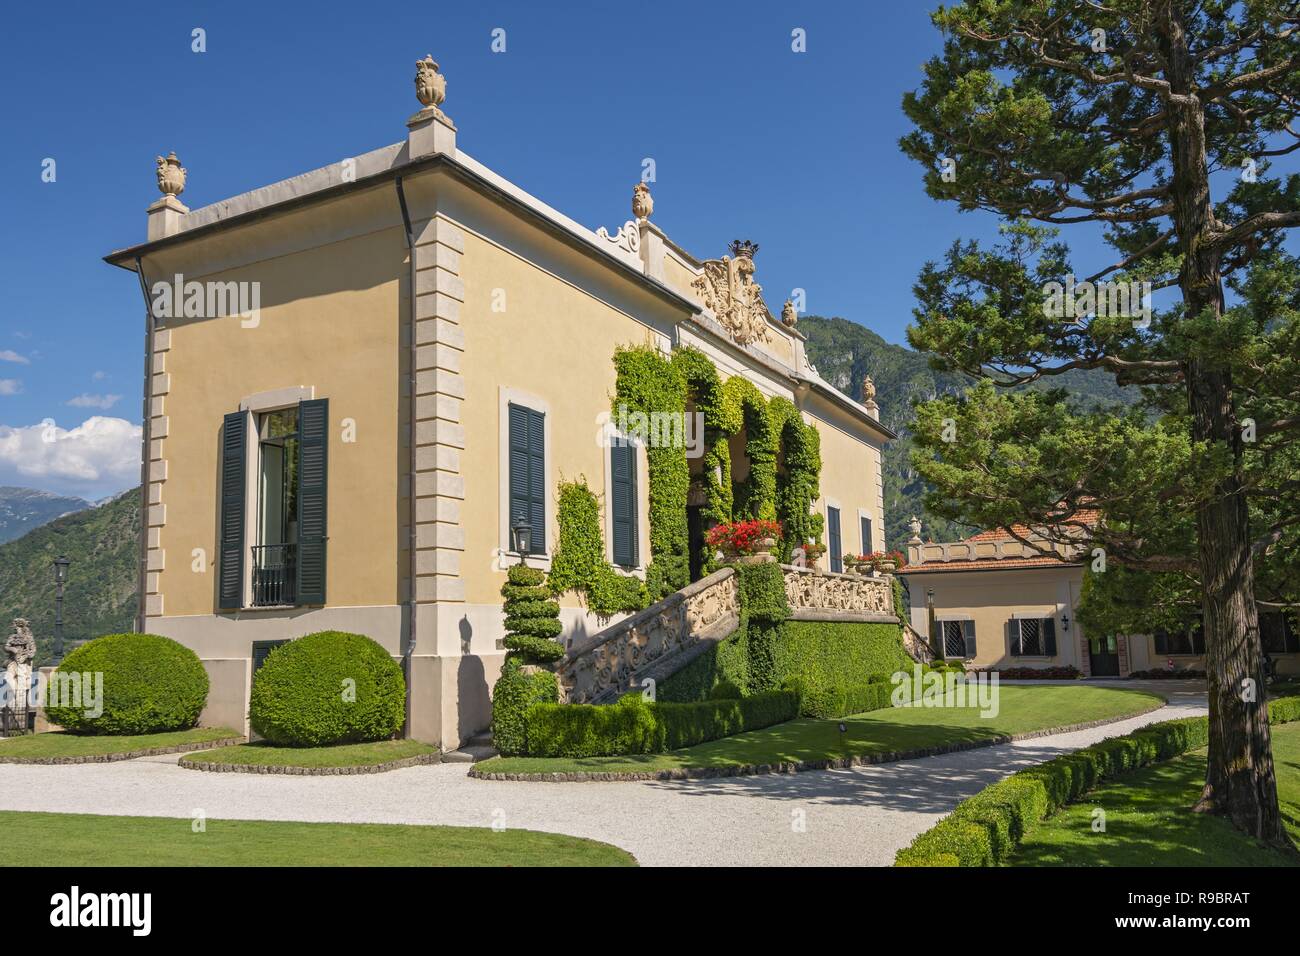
column 868, row 391
column 20, row 649
column 430, row 85
column 915, row 526
column 171, row 175
column 643, row 203
column 727, row 287
column 788, row 314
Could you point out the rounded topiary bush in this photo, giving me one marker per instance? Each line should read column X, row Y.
column 328, row 688
column 518, row 688
column 151, row 684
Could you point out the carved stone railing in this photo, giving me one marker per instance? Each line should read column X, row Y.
column 652, row 643
column 917, row 647
column 935, row 552
column 819, row 596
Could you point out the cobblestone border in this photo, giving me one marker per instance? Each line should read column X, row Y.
column 128, row 754
column 209, row 766
column 839, row 763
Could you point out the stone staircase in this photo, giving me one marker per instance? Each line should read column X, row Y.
column 478, row 747
column 655, row 643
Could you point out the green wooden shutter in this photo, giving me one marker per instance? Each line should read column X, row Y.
column 1013, row 637
column 968, row 629
column 230, row 559
column 528, row 472
column 622, row 465
column 1049, row 636
column 313, row 472
column 866, row 535
column 833, row 538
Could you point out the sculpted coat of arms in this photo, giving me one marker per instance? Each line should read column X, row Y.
column 728, row 288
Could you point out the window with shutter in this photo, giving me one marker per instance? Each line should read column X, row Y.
column 834, row 545
column 528, row 473
column 230, row 568
column 623, row 506
column 1048, row 630
column 865, row 523
column 968, row 628
column 313, row 470
column 954, row 639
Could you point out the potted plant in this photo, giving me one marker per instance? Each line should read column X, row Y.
column 745, row 542
column 885, row 562
column 812, row 553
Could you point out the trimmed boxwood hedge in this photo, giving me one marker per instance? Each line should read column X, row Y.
column 330, row 687
column 985, row 829
column 829, row 701
column 151, row 685
column 636, row 726
column 516, row 690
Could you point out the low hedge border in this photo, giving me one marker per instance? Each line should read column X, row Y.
column 208, row 766
column 802, row 766
column 985, row 829
column 130, row 754
column 634, row 726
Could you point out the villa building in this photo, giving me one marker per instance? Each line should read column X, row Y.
column 998, row 602
column 363, row 383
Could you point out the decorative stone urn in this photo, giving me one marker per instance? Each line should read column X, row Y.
column 430, row 85
column 643, row 203
column 171, row 175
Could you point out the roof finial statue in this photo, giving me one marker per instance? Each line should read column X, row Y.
column 430, row 85
column 171, row 175
column 643, row 203
column 915, row 526
column 788, row 314
column 868, row 392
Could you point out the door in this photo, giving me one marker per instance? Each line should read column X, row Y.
column 1104, row 656
column 695, row 539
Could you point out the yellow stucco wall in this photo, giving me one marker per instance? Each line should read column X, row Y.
column 330, row 318
column 992, row 598
column 555, row 342
column 850, row 480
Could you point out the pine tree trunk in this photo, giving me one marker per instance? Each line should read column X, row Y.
column 1239, row 780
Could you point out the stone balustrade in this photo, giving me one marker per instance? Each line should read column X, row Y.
column 655, row 643
column 818, row 596
column 652, row 643
column 933, row 552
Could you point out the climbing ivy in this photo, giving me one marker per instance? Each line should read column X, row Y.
column 648, row 382
column 755, row 497
column 799, row 484
column 579, row 562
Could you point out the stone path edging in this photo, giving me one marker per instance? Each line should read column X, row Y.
column 839, row 763
column 128, row 754
column 209, row 766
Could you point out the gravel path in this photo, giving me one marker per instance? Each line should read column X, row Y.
column 839, row 817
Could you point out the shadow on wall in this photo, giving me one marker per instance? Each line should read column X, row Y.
column 473, row 692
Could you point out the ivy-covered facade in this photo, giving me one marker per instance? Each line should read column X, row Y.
column 464, row 362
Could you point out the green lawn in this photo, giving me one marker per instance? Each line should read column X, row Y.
column 340, row 755
column 1149, row 821
column 82, row 839
column 1021, row 710
column 61, row 744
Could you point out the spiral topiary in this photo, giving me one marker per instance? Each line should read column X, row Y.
column 330, row 687
column 532, row 617
column 151, row 684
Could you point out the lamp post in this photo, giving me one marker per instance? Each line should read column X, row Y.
column 60, row 565
column 521, row 533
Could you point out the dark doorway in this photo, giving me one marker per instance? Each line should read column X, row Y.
column 695, row 538
column 1104, row 656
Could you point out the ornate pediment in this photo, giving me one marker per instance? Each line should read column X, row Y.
column 727, row 287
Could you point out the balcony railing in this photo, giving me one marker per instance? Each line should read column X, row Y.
column 275, row 574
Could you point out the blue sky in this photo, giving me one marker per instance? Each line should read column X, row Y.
column 797, row 151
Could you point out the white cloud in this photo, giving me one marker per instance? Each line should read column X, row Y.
column 99, row 376
column 10, row 386
column 96, row 458
column 86, row 400
column 9, row 355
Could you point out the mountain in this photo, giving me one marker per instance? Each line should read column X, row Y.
column 845, row 352
column 102, row 544
column 22, row 509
